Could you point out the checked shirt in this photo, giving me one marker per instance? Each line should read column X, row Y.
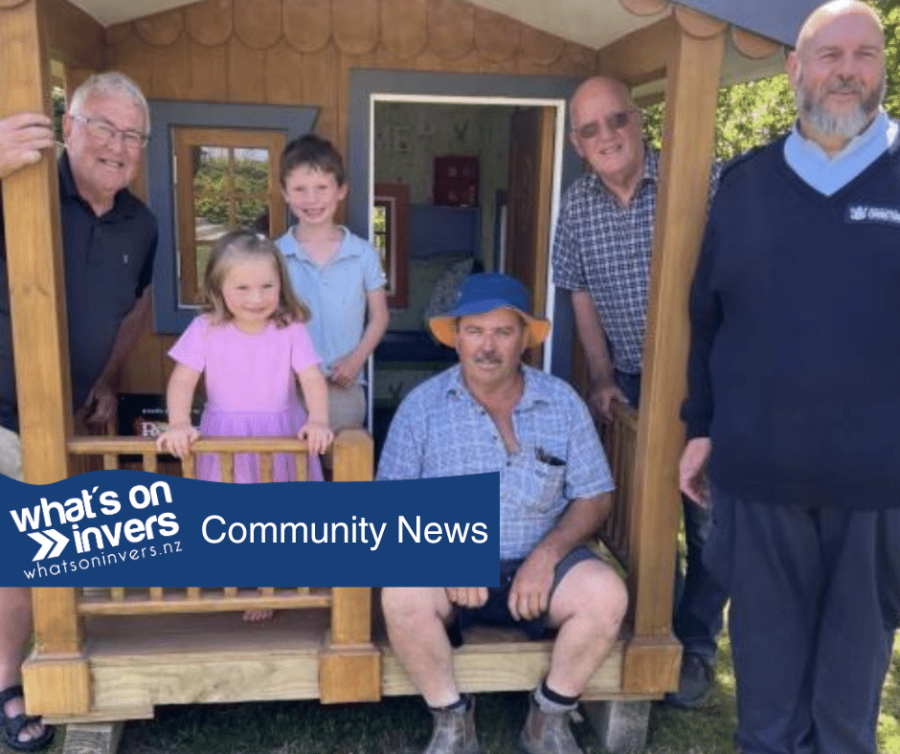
column 604, row 248
column 441, row 430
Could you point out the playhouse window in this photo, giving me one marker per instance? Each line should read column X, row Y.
column 211, row 168
column 224, row 179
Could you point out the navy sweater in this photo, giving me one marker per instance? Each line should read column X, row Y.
column 794, row 367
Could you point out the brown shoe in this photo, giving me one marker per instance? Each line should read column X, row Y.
column 547, row 733
column 454, row 731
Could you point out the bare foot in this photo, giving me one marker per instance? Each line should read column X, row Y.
column 258, row 616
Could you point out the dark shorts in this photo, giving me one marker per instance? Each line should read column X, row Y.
column 495, row 611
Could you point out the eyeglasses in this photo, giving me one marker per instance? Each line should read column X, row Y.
column 105, row 133
column 613, row 121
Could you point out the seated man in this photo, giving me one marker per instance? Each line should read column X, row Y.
column 492, row 413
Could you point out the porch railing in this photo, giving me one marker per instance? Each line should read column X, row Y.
column 620, row 440
column 57, row 674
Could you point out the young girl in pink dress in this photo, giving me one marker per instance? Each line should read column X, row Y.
column 250, row 342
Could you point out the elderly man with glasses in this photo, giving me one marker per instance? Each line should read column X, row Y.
column 601, row 253
column 109, row 241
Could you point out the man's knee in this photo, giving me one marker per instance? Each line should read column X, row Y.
column 10, row 455
column 413, row 603
column 591, row 591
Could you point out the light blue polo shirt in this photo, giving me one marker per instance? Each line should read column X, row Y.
column 830, row 174
column 335, row 294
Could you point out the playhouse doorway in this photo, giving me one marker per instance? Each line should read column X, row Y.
column 401, row 126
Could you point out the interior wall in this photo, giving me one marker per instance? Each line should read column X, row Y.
column 300, row 53
column 409, row 135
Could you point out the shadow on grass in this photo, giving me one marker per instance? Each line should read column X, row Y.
column 398, row 725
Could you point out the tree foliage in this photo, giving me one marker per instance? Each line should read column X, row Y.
column 756, row 112
column 233, row 195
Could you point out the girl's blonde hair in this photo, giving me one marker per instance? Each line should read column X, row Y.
column 246, row 244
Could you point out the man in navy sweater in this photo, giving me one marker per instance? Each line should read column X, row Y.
column 793, row 407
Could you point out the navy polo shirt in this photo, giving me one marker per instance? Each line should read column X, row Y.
column 108, row 264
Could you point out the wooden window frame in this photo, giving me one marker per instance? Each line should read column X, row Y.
column 184, row 141
column 170, row 317
column 394, row 197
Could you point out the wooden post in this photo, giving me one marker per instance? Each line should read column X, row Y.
column 56, row 677
column 34, row 258
column 58, row 681
column 692, row 87
column 350, row 664
column 354, row 456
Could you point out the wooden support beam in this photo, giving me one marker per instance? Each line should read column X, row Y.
column 350, row 665
column 353, row 456
column 34, row 256
column 349, row 674
column 97, row 738
column 351, row 615
column 57, row 629
column 60, row 681
column 56, row 678
column 641, row 56
column 57, row 685
column 692, row 88
column 74, row 38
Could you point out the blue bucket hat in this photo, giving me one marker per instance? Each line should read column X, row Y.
column 482, row 293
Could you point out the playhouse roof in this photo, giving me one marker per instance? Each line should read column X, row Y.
column 593, row 23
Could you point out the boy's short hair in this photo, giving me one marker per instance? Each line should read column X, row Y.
column 313, row 152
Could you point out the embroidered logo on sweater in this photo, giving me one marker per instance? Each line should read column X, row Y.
column 861, row 213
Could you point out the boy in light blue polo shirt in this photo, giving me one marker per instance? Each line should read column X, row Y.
column 336, row 273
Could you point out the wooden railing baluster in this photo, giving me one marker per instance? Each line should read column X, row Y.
column 265, row 467
column 353, row 464
column 226, row 462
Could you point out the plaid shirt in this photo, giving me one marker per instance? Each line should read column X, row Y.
column 604, row 248
column 441, row 430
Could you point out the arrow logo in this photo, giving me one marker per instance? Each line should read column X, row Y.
column 47, row 540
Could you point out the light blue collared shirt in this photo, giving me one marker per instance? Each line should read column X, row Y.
column 829, row 174
column 441, row 430
column 336, row 294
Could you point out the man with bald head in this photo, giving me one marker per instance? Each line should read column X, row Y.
column 793, row 408
column 601, row 253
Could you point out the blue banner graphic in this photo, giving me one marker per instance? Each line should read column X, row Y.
column 133, row 528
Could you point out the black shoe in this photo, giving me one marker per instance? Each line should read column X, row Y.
column 695, row 682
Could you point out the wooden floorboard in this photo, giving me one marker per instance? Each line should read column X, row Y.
column 139, row 662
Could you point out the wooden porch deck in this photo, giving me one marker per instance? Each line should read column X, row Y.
column 138, row 662
column 117, row 653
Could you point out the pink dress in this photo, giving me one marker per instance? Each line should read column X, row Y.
column 251, row 387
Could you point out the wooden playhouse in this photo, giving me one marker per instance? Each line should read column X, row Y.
column 113, row 654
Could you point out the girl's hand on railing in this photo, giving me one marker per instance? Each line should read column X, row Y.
column 317, row 435
column 177, row 440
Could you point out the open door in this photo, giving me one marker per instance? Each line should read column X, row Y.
column 532, row 131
